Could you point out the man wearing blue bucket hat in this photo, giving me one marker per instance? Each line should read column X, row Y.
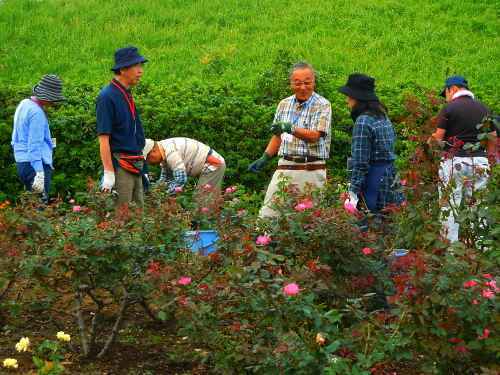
column 120, row 131
column 464, row 169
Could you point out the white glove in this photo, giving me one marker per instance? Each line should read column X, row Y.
column 108, row 180
column 38, row 182
column 353, row 199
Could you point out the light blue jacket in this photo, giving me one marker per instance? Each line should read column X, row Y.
column 31, row 138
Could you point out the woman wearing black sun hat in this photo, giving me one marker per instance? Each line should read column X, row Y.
column 373, row 177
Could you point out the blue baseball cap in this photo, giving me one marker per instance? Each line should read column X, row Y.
column 454, row 81
column 127, row 56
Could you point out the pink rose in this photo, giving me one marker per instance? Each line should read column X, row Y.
column 303, row 205
column 231, row 189
column 487, row 276
column 492, row 284
column 178, row 189
column 77, row 208
column 207, row 186
column 184, row 280
column 470, row 284
column 485, row 335
column 487, row 293
column 205, row 210
column 350, row 208
column 300, row 207
column 475, row 302
column 291, row 289
column 403, row 182
column 263, row 240
column 367, row 251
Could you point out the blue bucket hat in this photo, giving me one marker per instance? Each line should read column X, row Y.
column 454, row 81
column 127, row 56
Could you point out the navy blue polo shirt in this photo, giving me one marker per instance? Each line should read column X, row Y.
column 115, row 118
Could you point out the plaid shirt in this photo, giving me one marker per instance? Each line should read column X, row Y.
column 313, row 114
column 373, row 142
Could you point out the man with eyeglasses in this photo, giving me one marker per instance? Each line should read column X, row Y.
column 301, row 138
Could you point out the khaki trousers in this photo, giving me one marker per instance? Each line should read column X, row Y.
column 212, row 175
column 300, row 178
column 129, row 187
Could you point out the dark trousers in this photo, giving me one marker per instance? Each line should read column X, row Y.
column 27, row 176
column 373, row 182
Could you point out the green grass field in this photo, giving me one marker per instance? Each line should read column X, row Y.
column 396, row 41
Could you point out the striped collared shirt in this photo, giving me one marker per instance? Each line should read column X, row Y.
column 313, row 114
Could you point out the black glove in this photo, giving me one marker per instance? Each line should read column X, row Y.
column 260, row 163
column 281, row 127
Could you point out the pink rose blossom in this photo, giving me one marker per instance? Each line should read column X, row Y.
column 178, row 189
column 487, row 276
column 470, row 284
column 485, row 335
column 403, row 182
column 367, row 251
column 487, row 293
column 493, row 285
column 77, row 208
column 231, row 189
column 300, row 207
column 475, row 302
column 207, row 186
column 184, row 280
column 263, row 240
column 205, row 210
column 291, row 289
column 350, row 208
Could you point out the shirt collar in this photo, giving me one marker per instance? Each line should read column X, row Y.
column 127, row 90
column 162, row 151
column 461, row 93
column 311, row 99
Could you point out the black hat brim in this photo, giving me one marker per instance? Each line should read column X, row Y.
column 137, row 60
column 358, row 94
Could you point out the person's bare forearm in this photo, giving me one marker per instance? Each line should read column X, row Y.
column 492, row 147
column 273, row 146
column 307, row 135
column 105, row 151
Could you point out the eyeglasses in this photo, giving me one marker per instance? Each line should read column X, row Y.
column 300, row 83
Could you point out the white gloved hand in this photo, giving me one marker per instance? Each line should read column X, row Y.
column 352, row 200
column 108, row 181
column 38, row 182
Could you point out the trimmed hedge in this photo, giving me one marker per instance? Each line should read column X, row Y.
column 232, row 119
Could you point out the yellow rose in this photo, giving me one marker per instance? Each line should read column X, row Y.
column 23, row 344
column 10, row 363
column 63, row 336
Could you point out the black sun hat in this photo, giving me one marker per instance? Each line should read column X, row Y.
column 49, row 89
column 360, row 86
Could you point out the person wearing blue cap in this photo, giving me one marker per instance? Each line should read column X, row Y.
column 120, row 131
column 463, row 169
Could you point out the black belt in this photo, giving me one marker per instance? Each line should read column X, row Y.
column 299, row 159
